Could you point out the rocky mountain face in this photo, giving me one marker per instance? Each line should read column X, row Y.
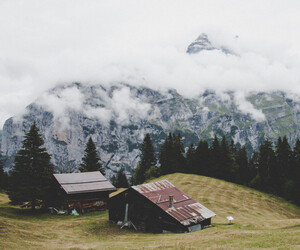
column 118, row 117
column 202, row 43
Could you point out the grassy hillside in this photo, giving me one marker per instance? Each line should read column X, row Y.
column 260, row 221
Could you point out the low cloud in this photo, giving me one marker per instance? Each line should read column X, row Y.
column 144, row 43
column 102, row 114
column 247, row 108
column 121, row 106
column 62, row 102
column 125, row 107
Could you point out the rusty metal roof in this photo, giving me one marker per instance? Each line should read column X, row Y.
column 84, row 182
column 186, row 210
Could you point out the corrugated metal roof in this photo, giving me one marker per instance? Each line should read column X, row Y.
column 186, row 210
column 84, row 182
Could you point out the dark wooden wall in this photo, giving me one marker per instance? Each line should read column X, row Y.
column 85, row 202
column 144, row 214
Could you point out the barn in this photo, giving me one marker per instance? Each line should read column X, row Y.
column 158, row 206
column 85, row 191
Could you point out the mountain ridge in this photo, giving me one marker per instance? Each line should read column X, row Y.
column 117, row 117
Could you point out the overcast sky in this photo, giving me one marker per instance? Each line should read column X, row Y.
column 43, row 43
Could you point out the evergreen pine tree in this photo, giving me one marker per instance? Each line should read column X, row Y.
column 165, row 156
column 242, row 164
column 226, row 161
column 233, row 149
column 1, row 174
column 179, row 161
column 138, row 176
column 113, row 180
column 31, row 176
column 284, row 155
column 296, row 154
column 148, row 159
column 255, row 180
column 121, row 180
column 191, row 164
column 249, row 148
column 203, row 159
column 152, row 172
column 266, row 164
column 91, row 160
column 171, row 156
column 282, row 171
column 3, row 178
column 216, row 163
column 296, row 173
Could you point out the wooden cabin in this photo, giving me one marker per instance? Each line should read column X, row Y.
column 85, row 191
column 159, row 206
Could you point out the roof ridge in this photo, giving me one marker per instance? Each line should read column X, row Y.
column 72, row 183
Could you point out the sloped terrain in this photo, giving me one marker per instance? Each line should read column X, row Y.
column 260, row 221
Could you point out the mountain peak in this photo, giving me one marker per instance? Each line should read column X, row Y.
column 203, row 43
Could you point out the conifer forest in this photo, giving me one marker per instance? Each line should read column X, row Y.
column 273, row 168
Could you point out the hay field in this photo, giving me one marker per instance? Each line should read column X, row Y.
column 261, row 221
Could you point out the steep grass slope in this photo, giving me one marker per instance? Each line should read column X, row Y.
column 260, row 221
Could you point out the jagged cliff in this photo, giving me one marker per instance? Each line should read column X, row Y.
column 117, row 117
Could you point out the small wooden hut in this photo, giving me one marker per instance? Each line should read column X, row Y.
column 85, row 191
column 159, row 206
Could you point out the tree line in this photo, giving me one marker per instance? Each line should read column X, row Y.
column 272, row 168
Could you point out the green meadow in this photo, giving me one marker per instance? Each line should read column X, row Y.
column 260, row 221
